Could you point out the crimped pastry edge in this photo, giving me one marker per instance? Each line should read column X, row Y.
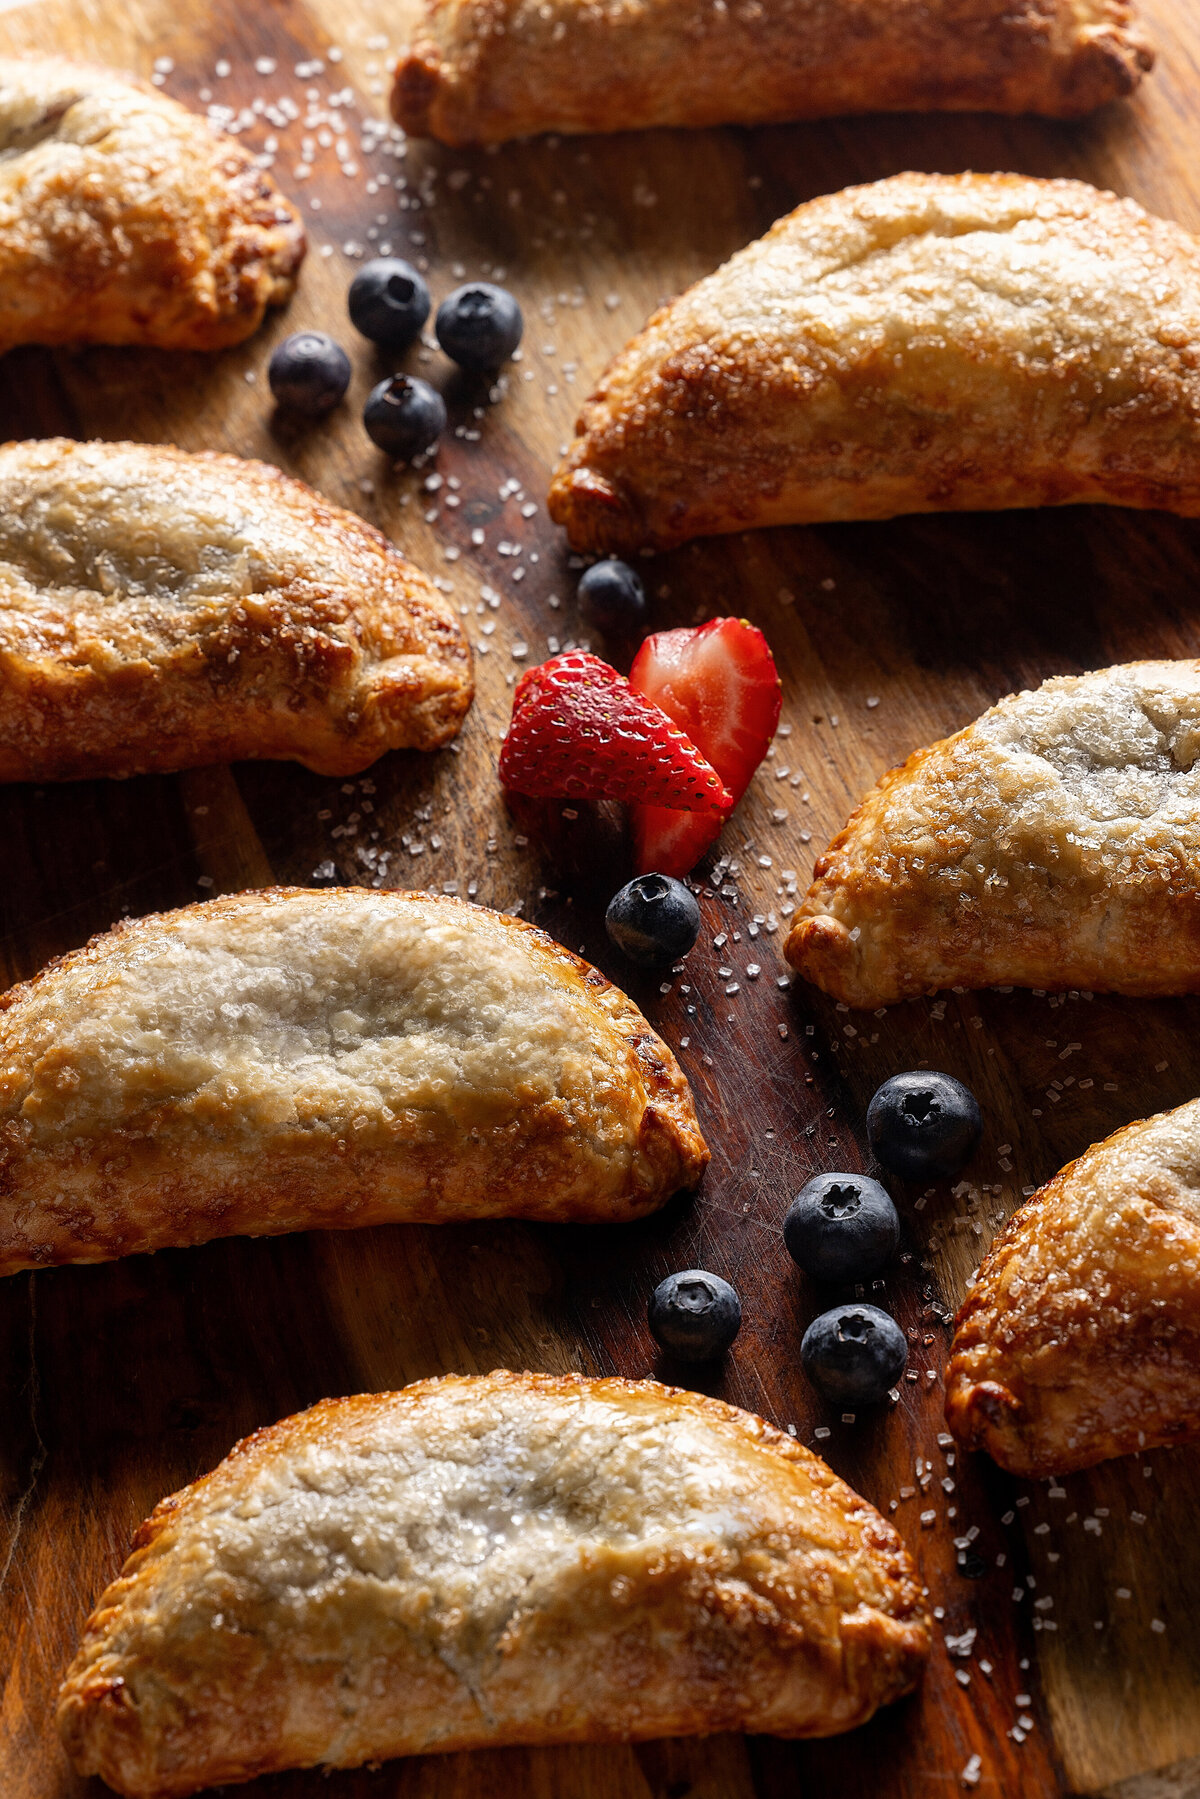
column 894, row 1643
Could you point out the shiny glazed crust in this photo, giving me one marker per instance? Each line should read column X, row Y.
column 299, row 1059
column 509, row 1558
column 1080, row 1337
column 125, row 219
column 927, row 343
column 162, row 610
column 1054, row 843
column 481, row 71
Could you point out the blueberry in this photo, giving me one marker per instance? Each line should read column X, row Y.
column 841, row 1227
column 389, row 302
column 854, row 1354
column 694, row 1316
column 653, row 920
column 404, row 416
column 308, row 372
column 924, row 1126
column 479, row 326
column 611, row 597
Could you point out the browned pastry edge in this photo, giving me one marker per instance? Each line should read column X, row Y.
column 204, row 282
column 879, row 1657
column 726, row 412
column 882, row 921
column 476, row 72
column 330, row 665
column 1048, row 1380
column 821, row 948
column 260, row 257
column 128, row 1190
column 416, row 91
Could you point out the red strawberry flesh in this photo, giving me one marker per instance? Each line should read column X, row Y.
column 579, row 731
column 720, row 684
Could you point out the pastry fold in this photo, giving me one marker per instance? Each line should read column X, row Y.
column 162, row 610
column 508, row 1558
column 125, row 219
column 1080, row 1336
column 926, row 343
column 297, row 1059
column 481, row 71
column 1054, row 843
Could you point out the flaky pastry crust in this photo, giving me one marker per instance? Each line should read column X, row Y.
column 926, row 343
column 300, row 1059
column 164, row 610
column 125, row 219
column 481, row 71
column 1080, row 1337
column 509, row 1558
column 1054, row 843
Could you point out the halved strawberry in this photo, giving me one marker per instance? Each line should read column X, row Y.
column 720, row 685
column 579, row 731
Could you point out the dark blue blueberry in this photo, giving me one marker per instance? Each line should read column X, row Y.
column 389, row 302
column 611, row 597
column 694, row 1316
column 924, row 1126
column 308, row 372
column 479, row 326
column 855, row 1354
column 841, row 1227
column 653, row 920
column 404, row 416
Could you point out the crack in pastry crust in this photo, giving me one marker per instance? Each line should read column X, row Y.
column 125, row 219
column 298, row 1059
column 1053, row 843
column 926, row 343
column 482, row 71
column 163, row 610
column 1080, row 1336
column 511, row 1558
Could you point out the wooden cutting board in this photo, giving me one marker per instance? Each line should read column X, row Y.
column 1075, row 1664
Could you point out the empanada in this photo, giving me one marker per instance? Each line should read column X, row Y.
column 481, row 71
column 1054, row 843
column 926, row 343
column 510, row 1558
column 125, row 219
column 1080, row 1336
column 160, row 610
column 300, row 1059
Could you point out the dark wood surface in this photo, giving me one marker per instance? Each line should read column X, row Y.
column 120, row 1383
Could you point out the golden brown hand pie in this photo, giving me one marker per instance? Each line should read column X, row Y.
column 1054, row 843
column 481, row 71
column 510, row 1558
column 161, row 610
column 125, row 219
column 300, row 1059
column 1080, row 1337
column 930, row 342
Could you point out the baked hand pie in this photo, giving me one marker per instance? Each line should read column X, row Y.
column 301, row 1059
column 926, row 343
column 1054, row 843
column 481, row 71
column 125, row 219
column 1080, row 1336
column 162, row 610
column 474, row 1561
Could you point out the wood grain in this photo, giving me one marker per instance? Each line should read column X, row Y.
column 122, row 1382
